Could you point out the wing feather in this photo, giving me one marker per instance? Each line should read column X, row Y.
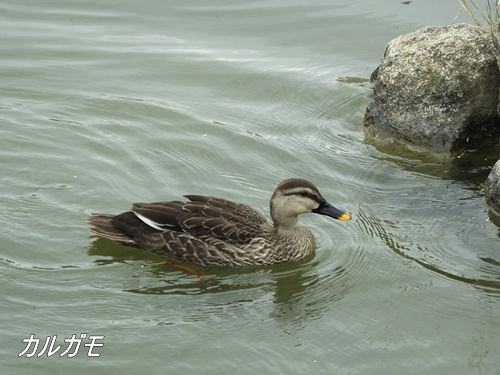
column 204, row 230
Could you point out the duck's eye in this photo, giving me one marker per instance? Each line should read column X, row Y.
column 303, row 194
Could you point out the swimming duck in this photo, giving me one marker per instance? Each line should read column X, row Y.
column 217, row 232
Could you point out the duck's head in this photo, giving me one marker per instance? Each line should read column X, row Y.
column 295, row 196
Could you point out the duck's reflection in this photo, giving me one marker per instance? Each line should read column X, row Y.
column 298, row 292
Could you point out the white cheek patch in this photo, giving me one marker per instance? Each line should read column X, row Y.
column 149, row 222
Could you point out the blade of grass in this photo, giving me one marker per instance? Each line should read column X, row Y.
column 491, row 18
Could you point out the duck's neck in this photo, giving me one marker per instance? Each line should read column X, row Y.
column 286, row 223
column 283, row 219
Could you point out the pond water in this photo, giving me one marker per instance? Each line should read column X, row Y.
column 107, row 103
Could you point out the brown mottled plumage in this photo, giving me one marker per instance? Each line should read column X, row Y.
column 216, row 232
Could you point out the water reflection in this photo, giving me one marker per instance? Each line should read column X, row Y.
column 292, row 294
column 433, row 210
column 431, row 252
column 113, row 252
column 495, row 219
column 302, row 295
column 473, row 165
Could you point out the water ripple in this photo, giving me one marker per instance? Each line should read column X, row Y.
column 447, row 236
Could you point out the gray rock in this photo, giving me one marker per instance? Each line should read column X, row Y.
column 436, row 87
column 492, row 187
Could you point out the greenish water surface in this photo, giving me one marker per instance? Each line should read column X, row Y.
column 107, row 103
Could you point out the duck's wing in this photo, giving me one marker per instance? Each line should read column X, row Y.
column 161, row 215
column 231, row 222
column 205, row 230
column 240, row 210
column 202, row 216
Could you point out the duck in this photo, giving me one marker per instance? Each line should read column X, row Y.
column 211, row 231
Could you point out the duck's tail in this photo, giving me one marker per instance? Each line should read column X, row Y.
column 102, row 226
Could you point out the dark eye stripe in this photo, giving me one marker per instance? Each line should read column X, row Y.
column 305, row 194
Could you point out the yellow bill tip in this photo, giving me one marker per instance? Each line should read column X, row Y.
column 345, row 217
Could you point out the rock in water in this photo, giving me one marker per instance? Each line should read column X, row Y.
column 436, row 87
column 492, row 187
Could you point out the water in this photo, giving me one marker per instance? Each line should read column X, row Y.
column 108, row 103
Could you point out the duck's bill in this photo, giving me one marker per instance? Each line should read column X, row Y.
column 328, row 210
